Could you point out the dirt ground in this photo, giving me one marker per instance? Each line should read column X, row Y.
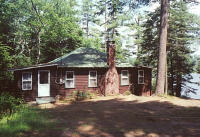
column 128, row 116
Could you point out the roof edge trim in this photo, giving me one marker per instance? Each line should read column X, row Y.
column 31, row 67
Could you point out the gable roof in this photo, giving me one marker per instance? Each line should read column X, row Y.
column 85, row 57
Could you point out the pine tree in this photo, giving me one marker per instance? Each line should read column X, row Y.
column 161, row 71
column 180, row 35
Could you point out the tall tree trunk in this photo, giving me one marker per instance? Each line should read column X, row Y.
column 172, row 77
column 166, row 78
column 160, row 83
column 87, row 27
column 178, row 85
column 38, row 48
column 106, row 32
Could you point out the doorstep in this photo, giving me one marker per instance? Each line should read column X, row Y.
column 45, row 100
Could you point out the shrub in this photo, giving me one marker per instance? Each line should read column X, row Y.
column 89, row 94
column 126, row 93
column 81, row 95
column 8, row 103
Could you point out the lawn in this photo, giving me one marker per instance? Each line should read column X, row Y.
column 27, row 120
column 118, row 116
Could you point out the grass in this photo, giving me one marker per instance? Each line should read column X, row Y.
column 26, row 119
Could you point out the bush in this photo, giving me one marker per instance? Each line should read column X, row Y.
column 81, row 95
column 126, row 93
column 8, row 103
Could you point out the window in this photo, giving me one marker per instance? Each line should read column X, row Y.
column 124, row 77
column 69, row 79
column 44, row 77
column 92, row 79
column 140, row 76
column 26, row 81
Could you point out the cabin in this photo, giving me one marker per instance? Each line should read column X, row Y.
column 83, row 69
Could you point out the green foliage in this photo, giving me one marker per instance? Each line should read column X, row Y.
column 82, row 95
column 126, row 93
column 26, row 119
column 153, row 85
column 6, row 61
column 9, row 104
column 39, row 30
column 198, row 66
column 94, row 42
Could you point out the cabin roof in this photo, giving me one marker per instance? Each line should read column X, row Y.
column 86, row 57
column 81, row 58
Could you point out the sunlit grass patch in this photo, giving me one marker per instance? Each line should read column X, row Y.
column 25, row 120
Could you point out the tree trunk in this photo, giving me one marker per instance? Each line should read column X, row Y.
column 166, row 78
column 87, row 27
column 38, row 47
column 178, row 85
column 160, row 83
column 106, row 32
column 172, row 77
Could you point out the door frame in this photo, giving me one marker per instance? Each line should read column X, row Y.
column 49, row 75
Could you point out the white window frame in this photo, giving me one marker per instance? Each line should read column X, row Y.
column 27, row 80
column 69, row 79
column 125, row 77
column 140, row 76
column 89, row 78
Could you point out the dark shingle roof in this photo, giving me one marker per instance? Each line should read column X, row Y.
column 85, row 57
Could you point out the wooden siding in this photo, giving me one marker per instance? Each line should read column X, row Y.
column 81, row 81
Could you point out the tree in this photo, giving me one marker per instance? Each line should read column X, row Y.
column 87, row 13
column 5, row 63
column 37, row 28
column 161, row 70
column 181, row 33
column 198, row 66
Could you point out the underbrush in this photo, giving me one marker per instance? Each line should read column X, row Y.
column 19, row 118
column 9, row 104
column 126, row 93
column 165, row 96
column 79, row 96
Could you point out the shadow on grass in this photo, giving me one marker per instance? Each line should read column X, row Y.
column 25, row 121
column 117, row 117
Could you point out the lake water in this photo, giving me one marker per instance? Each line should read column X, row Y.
column 195, row 83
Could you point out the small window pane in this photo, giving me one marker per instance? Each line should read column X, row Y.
column 27, row 76
column 69, row 83
column 125, row 81
column 93, row 74
column 27, row 85
column 124, row 77
column 93, row 83
column 141, row 79
column 26, row 81
column 44, row 76
column 70, row 75
column 141, row 73
column 125, row 73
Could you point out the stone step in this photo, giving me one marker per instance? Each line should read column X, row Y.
column 45, row 100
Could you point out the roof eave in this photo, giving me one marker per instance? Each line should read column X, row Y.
column 32, row 67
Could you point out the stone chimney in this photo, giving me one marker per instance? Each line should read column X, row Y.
column 111, row 59
column 111, row 77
